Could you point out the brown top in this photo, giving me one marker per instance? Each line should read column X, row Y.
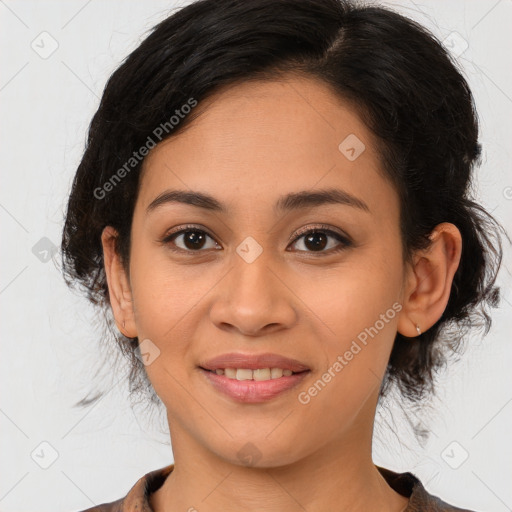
column 406, row 484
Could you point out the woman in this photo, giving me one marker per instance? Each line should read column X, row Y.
column 273, row 204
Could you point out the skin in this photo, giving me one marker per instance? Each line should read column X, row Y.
column 253, row 143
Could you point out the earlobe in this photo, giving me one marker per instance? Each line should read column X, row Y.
column 118, row 284
column 430, row 281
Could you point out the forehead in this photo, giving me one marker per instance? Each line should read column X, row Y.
column 255, row 141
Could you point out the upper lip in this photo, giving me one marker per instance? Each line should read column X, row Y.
column 253, row 362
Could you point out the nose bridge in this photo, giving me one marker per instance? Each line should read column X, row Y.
column 252, row 274
column 252, row 296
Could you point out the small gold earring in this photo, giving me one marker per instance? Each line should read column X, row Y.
column 418, row 329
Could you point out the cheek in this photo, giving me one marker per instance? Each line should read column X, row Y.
column 345, row 299
column 161, row 301
column 164, row 292
column 354, row 362
column 356, row 309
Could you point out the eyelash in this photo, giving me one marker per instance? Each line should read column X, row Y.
column 345, row 241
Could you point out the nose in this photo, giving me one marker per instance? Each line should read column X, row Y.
column 254, row 299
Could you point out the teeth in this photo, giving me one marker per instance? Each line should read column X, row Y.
column 263, row 374
column 230, row 372
column 248, row 374
column 243, row 374
column 275, row 373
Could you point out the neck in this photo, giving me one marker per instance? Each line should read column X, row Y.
column 336, row 477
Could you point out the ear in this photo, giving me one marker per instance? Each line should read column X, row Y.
column 118, row 284
column 429, row 280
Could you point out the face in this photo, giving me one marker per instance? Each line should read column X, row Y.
column 268, row 265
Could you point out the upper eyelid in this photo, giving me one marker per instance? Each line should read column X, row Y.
column 181, row 230
column 321, row 228
column 293, row 238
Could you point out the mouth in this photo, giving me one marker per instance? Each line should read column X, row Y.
column 259, row 363
column 252, row 391
column 258, row 374
column 252, row 378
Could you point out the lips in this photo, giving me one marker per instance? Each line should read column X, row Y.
column 253, row 362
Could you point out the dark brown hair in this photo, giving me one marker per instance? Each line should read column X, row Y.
column 402, row 82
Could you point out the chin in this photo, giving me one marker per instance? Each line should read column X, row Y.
column 259, row 452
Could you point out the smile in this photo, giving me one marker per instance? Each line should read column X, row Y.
column 253, row 386
column 258, row 374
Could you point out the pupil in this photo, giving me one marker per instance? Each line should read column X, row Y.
column 314, row 241
column 313, row 238
column 193, row 237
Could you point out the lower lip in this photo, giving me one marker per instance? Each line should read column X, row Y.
column 253, row 391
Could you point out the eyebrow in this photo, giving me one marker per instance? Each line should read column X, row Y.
column 289, row 202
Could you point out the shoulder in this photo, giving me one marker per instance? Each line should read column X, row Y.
column 420, row 500
column 114, row 506
column 407, row 484
column 137, row 497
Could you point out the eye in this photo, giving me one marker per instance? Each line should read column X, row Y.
column 193, row 239
column 189, row 239
column 317, row 239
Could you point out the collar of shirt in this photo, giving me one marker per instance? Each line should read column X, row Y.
column 405, row 484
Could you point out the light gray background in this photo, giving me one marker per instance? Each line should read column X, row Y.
column 50, row 336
